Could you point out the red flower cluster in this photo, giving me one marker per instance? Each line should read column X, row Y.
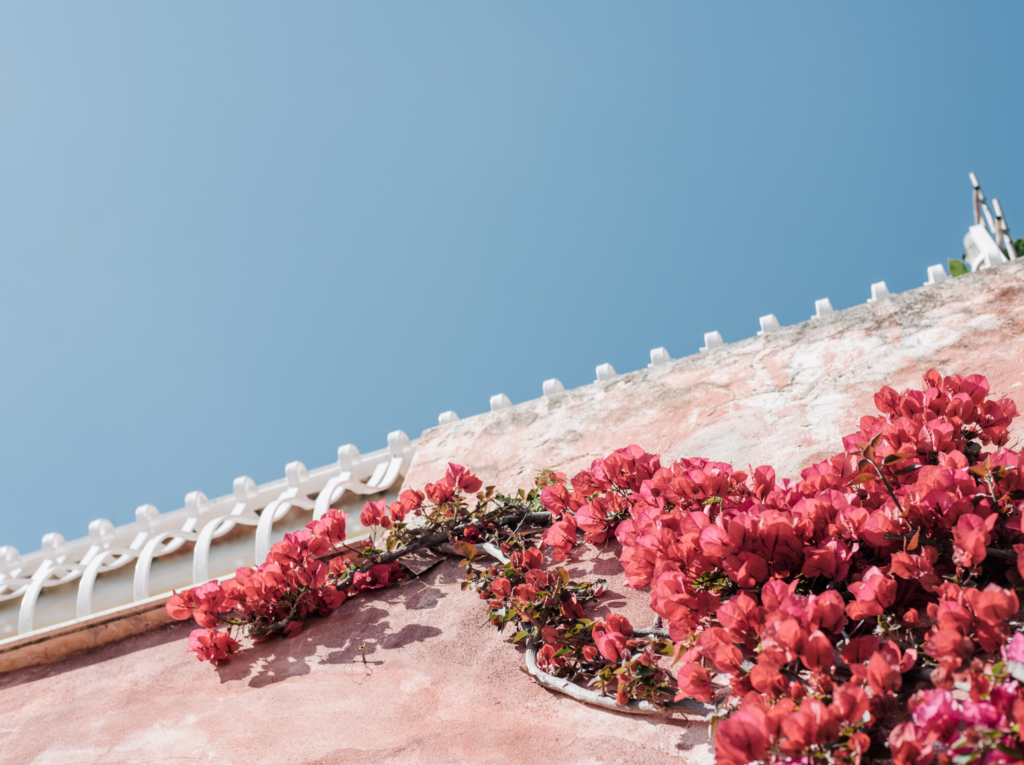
column 818, row 615
column 456, row 479
column 274, row 598
column 310, row 572
column 779, row 585
column 213, row 646
column 379, row 514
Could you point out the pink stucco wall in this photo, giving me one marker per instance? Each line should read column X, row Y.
column 784, row 400
column 442, row 687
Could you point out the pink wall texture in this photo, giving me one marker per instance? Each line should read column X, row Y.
column 439, row 685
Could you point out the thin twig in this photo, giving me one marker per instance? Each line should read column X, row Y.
column 995, row 552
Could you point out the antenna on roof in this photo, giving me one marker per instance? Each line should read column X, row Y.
column 977, row 198
column 989, row 243
column 1004, row 228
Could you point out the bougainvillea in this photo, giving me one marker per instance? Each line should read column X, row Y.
column 865, row 611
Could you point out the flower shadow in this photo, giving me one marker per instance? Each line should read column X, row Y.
column 354, row 635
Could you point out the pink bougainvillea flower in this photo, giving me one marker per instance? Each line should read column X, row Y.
column 883, row 676
column 375, row 514
column 609, row 642
column 818, row 653
column 180, row 605
column 561, row 536
column 460, row 478
column 850, row 703
column 439, row 493
column 694, row 682
column 330, row 528
column 811, row 724
column 408, row 501
column 741, row 616
column 911, row 745
column 874, row 593
column 593, row 523
column 525, row 593
column 211, row 645
column 742, row 738
column 936, row 711
column 1012, row 651
column 380, row 575
column 970, row 537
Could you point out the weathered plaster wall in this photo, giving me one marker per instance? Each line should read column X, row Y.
column 442, row 687
column 785, row 399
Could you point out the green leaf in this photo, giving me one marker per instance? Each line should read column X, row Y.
column 958, row 268
column 1007, row 750
column 521, row 635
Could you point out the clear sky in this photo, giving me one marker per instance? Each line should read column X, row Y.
column 236, row 234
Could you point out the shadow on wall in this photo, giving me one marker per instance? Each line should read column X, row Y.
column 355, row 640
column 175, row 632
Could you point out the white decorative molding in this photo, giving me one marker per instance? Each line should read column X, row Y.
column 553, row 386
column 822, row 308
column 712, row 340
column 243, row 512
column 202, row 521
column 936, row 275
column 879, row 292
column 659, row 356
column 383, row 476
column 769, row 324
column 294, row 495
column 447, row 418
column 500, row 401
column 605, row 372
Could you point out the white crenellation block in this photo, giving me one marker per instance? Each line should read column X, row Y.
column 712, row 340
column 10, row 561
column 244, row 489
column 769, row 324
column 659, row 356
column 605, row 372
column 196, row 504
column 447, row 418
column 101, row 532
column 500, row 401
column 295, row 474
column 879, row 292
column 553, row 386
column 822, row 308
column 936, row 275
column 398, row 441
column 348, row 458
column 146, row 517
column 53, row 545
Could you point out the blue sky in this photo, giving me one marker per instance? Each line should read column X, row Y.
column 238, row 234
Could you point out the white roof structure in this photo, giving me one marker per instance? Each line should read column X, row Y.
column 114, row 569
column 89, row 574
